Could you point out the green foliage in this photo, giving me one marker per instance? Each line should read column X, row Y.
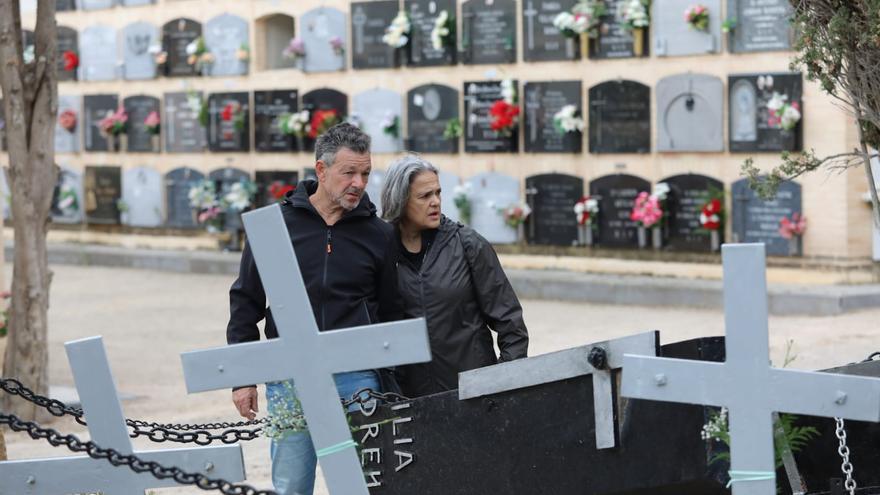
column 453, row 129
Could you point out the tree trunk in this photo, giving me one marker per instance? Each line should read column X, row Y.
column 30, row 95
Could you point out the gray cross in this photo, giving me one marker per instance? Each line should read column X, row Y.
column 530, row 14
column 303, row 353
column 746, row 383
column 103, row 412
column 359, row 20
column 563, row 365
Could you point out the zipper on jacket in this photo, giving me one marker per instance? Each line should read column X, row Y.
column 324, row 281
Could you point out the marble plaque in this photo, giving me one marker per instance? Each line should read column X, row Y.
column 491, row 193
column 616, row 195
column 142, row 196
column 319, row 28
column 423, row 15
column 228, row 39
column 138, row 62
column 378, row 110
column 69, row 111
column 690, row 113
column 98, row 58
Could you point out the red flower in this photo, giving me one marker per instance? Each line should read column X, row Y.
column 228, row 112
column 321, row 121
column 278, row 190
column 504, row 116
column 71, row 60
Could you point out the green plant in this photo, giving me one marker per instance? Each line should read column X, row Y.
column 453, row 129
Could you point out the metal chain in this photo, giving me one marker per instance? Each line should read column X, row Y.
column 843, row 450
column 367, row 395
column 132, row 461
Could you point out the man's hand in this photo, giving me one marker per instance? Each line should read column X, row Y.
column 245, row 400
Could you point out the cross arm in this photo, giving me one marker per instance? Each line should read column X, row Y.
column 674, row 380
column 236, row 365
column 381, row 346
column 825, row 394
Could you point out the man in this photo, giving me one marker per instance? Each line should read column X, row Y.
column 345, row 255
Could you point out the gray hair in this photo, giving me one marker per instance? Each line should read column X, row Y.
column 340, row 136
column 398, row 179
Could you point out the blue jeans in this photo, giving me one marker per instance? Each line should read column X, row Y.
column 293, row 457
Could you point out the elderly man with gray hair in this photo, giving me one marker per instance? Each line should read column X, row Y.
column 449, row 274
column 345, row 254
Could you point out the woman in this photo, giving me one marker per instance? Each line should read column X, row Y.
column 449, row 274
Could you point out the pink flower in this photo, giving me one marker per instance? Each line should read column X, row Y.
column 152, row 119
column 794, row 227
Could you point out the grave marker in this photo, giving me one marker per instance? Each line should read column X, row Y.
column 180, row 123
column 229, row 122
column 67, row 140
column 177, row 185
column 269, row 106
column 687, row 195
column 324, row 99
column 616, row 195
column 673, row 36
column 142, row 195
column 614, row 40
column 479, row 96
column 542, row 100
column 542, row 41
column 430, row 108
column 491, row 192
column 368, row 23
column 68, row 46
column 138, row 109
column 176, row 36
column 423, row 14
column 67, row 198
column 690, row 113
column 757, row 220
column 620, row 117
column 552, row 198
column 321, row 27
column 96, row 109
column 760, row 25
column 227, row 38
column 376, row 109
column 98, row 57
column 488, row 31
column 103, row 189
column 138, row 62
column 752, row 127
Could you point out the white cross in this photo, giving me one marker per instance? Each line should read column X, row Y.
column 103, row 412
column 746, row 383
column 303, row 353
column 359, row 20
column 563, row 365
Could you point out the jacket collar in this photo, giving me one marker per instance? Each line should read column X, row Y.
column 299, row 198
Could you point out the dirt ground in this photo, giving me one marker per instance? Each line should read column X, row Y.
column 148, row 318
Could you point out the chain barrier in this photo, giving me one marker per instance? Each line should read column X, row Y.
column 843, row 450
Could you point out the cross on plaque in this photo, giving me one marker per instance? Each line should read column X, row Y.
column 563, row 365
column 359, row 20
column 530, row 12
column 746, row 384
column 107, row 428
column 303, row 353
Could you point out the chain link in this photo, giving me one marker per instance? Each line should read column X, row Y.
column 843, row 450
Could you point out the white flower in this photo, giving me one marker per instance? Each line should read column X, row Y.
column 508, row 91
column 238, row 197
column 563, row 21
column 790, row 117
column 154, row 49
column 593, row 205
column 661, row 190
column 462, row 190
column 567, row 120
column 440, row 31
column 395, row 34
column 192, row 47
column 777, row 101
column 579, row 208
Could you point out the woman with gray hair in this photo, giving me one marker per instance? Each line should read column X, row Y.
column 449, row 274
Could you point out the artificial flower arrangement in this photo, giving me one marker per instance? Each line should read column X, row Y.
column 71, row 60
column 648, row 211
column 397, row 33
column 68, row 203
column 243, row 54
column 712, row 215
column 152, row 123
column 199, row 106
column 240, row 196
column 443, row 33
column 568, row 119
column 67, row 120
column 160, row 56
column 584, row 18
column 633, row 14
column 278, row 190
column 295, row 124
column 203, row 200
column 783, row 114
column 198, row 55
column 697, row 17
column 113, row 126
column 337, row 44
column 322, row 120
column 234, row 112
column 453, row 129
column 461, row 197
column 295, row 49
column 505, row 112
column 794, row 227
column 391, row 124
column 586, row 210
column 516, row 214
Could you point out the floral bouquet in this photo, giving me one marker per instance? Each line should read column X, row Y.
column 67, row 120
column 68, row 203
column 295, row 49
column 203, row 201
column 198, row 106
column 396, row 34
column 114, row 123
column 322, row 120
column 711, row 215
column 516, row 214
column 453, row 129
column 198, row 54
column 584, row 18
column 338, row 45
column 159, row 56
column 278, row 190
column 243, row 54
column 568, row 119
column 697, row 16
column 586, row 210
column 71, row 60
column 391, row 124
column 505, row 117
column 152, row 123
column 443, row 34
column 782, row 114
column 295, row 124
column 461, row 197
column 240, row 195
column 794, row 227
column 647, row 210
column 233, row 112
column 633, row 14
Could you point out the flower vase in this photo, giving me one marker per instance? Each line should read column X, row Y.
column 154, row 140
column 638, row 41
column 521, row 233
column 582, row 236
column 656, row 237
column 715, row 240
column 643, row 237
column 123, row 143
column 795, row 245
column 588, row 235
column 585, row 45
column 111, row 143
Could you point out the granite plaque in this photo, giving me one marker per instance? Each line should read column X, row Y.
column 68, row 124
column 324, row 99
column 614, row 40
column 98, row 59
column 488, row 31
column 552, row 198
column 183, row 131
column 690, row 113
column 67, row 198
column 224, row 178
column 380, row 112
column 543, row 100
column 268, row 107
column 68, row 54
column 229, row 122
column 228, row 39
column 757, row 220
column 542, row 41
column 688, row 193
column 620, row 117
column 142, row 197
column 103, row 190
column 324, row 33
column 272, row 185
column 176, row 35
column 138, row 109
column 479, row 96
column 368, row 23
column 429, row 109
column 673, row 36
column 491, row 193
column 138, row 62
column 278, row 31
column 96, row 109
column 761, row 25
column 177, row 185
column 423, row 15
column 753, row 126
column 616, row 195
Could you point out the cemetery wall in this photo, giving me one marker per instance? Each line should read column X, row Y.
column 839, row 220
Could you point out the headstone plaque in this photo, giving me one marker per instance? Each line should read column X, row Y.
column 673, row 36
column 67, row 199
column 176, row 35
column 135, row 3
column 752, row 126
column 98, row 58
column 183, row 131
column 616, row 195
column 268, row 107
column 541, row 40
column 423, row 14
column 227, row 37
column 429, row 109
column 138, row 109
column 690, row 113
column 620, row 117
column 142, row 196
column 488, row 31
column 96, row 4
column 757, row 220
column 138, row 62
column 96, row 109
column 324, row 99
column 542, row 100
column 177, row 185
column 761, row 25
column 224, row 178
column 614, row 40
column 229, row 122
column 68, row 47
column 379, row 110
column 688, row 193
column 552, row 198
column 491, row 193
column 68, row 124
column 65, row 5
column 103, row 190
column 273, row 184
column 368, row 23
column 448, row 183
column 479, row 96
column 277, row 32
column 320, row 29
column 374, row 189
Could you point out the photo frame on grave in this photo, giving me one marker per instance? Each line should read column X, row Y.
column 542, row 41
column 229, row 122
column 752, row 126
column 324, row 32
column 269, row 107
column 616, row 194
column 272, row 185
column 177, row 185
column 102, row 186
column 490, row 194
column 181, row 124
column 327, row 100
column 541, row 102
column 429, row 110
column 274, row 33
column 687, row 195
column 479, row 97
column 177, row 34
column 369, row 20
column 99, row 60
column 65, row 5
column 138, row 108
column 615, row 40
column 552, row 198
column 488, row 32
column 754, row 219
column 690, row 113
column 227, row 37
column 674, row 37
column 68, row 54
column 68, row 124
column 423, row 15
column 68, row 204
column 138, row 63
column 142, row 197
column 96, row 108
column 761, row 28
column 620, row 117
column 380, row 114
